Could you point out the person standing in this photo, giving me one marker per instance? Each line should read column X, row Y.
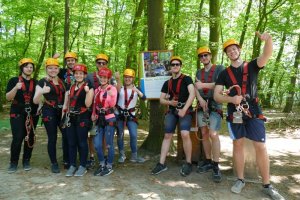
column 78, row 119
column 23, row 114
column 53, row 91
column 244, row 115
column 178, row 94
column 103, row 115
column 209, row 114
column 66, row 74
column 125, row 112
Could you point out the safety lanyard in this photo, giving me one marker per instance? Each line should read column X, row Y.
column 209, row 79
column 73, row 95
column 127, row 102
column 245, row 77
column 59, row 90
column 26, row 94
column 97, row 103
column 68, row 76
column 170, row 87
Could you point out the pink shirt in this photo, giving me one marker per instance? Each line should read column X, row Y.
column 110, row 100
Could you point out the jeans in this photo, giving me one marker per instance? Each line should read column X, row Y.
column 107, row 132
column 132, row 127
column 51, row 119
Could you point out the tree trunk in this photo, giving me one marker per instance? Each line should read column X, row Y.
column 66, row 28
column 103, row 42
column 44, row 47
column 155, row 42
column 214, row 28
column 245, row 23
column 290, row 97
column 199, row 29
column 132, row 44
column 28, row 36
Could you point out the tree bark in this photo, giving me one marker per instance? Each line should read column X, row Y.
column 245, row 23
column 214, row 28
column 290, row 97
column 155, row 42
column 199, row 30
column 66, row 27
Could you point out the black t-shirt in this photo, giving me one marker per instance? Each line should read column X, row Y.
column 80, row 102
column 183, row 92
column 51, row 96
column 251, row 88
column 18, row 104
column 66, row 77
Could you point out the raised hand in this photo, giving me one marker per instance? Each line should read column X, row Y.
column 117, row 75
column 19, row 85
column 56, row 55
column 264, row 36
column 86, row 88
column 46, row 89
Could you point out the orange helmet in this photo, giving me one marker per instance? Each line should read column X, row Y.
column 25, row 60
column 129, row 72
column 71, row 55
column 176, row 58
column 203, row 49
column 80, row 67
column 52, row 61
column 102, row 57
column 229, row 43
column 104, row 71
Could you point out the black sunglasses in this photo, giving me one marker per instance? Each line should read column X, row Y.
column 203, row 56
column 175, row 64
column 101, row 63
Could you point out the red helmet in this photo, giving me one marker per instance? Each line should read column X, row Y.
column 80, row 67
column 104, row 71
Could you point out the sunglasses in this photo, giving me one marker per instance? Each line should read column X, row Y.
column 203, row 56
column 101, row 63
column 175, row 64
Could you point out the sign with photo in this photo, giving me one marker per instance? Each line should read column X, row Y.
column 154, row 71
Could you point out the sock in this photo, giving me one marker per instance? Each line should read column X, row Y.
column 266, row 185
column 243, row 181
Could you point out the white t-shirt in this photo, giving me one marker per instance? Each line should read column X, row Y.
column 121, row 100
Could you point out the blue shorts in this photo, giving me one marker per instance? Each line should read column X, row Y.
column 253, row 129
column 215, row 120
column 172, row 119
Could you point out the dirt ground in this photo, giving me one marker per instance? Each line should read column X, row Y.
column 133, row 181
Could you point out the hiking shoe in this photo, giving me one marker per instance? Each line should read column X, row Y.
column 159, row 168
column 205, row 167
column 26, row 165
column 106, row 171
column 122, row 158
column 71, row 171
column 186, row 169
column 98, row 171
column 273, row 193
column 12, row 168
column 216, row 175
column 55, row 168
column 137, row 160
column 81, row 171
column 238, row 186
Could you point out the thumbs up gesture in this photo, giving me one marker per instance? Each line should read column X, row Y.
column 45, row 89
column 86, row 88
column 19, row 85
column 264, row 36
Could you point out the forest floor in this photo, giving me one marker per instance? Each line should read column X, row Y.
column 133, row 181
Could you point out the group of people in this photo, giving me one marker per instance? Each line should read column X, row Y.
column 73, row 101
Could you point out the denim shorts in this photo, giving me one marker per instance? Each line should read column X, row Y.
column 253, row 129
column 215, row 120
column 171, row 120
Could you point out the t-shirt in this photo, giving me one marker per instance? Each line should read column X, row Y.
column 210, row 93
column 251, row 88
column 183, row 91
column 18, row 105
column 52, row 95
column 67, row 77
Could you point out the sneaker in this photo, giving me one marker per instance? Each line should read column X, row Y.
column 12, row 168
column 66, row 165
column 137, row 160
column 26, row 165
column 90, row 164
column 99, row 170
column 216, row 175
column 159, row 168
column 71, row 171
column 238, row 186
column 55, row 168
column 81, row 171
column 205, row 167
column 186, row 169
column 106, row 171
column 122, row 158
column 273, row 193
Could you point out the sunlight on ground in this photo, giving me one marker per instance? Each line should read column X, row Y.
column 179, row 184
column 109, row 189
column 150, row 195
column 278, row 179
